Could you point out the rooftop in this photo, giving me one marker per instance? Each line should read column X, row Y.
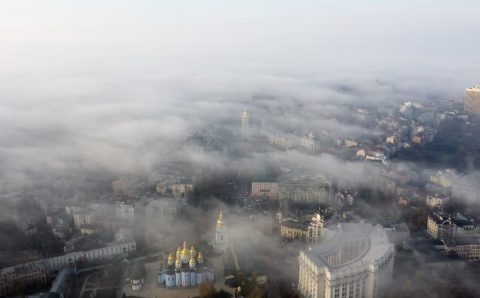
column 353, row 243
column 474, row 88
column 290, row 223
column 457, row 218
column 263, row 179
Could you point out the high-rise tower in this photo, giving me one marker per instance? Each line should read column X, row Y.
column 245, row 130
column 472, row 100
column 221, row 236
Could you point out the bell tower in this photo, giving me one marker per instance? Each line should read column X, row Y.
column 221, row 236
column 245, row 129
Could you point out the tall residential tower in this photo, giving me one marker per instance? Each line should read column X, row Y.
column 472, row 100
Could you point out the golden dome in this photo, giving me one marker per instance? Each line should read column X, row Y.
column 185, row 250
column 192, row 250
column 171, row 259
column 178, row 264
column 192, row 262
column 179, row 250
column 245, row 113
column 220, row 221
column 200, row 258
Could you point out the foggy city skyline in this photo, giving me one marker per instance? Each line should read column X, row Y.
column 277, row 138
column 141, row 68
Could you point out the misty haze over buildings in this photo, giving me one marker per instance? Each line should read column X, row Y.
column 110, row 90
column 111, row 85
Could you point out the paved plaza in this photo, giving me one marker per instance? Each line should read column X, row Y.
column 152, row 289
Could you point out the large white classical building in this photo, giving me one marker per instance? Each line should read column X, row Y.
column 356, row 262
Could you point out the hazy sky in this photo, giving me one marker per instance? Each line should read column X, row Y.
column 279, row 34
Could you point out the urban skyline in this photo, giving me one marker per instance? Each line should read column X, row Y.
column 239, row 149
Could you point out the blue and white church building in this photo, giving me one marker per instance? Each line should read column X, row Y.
column 186, row 269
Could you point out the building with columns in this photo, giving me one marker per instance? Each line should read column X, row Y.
column 356, row 262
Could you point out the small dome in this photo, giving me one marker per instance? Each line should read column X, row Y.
column 200, row 258
column 192, row 262
column 171, row 259
column 245, row 113
column 220, row 220
column 185, row 250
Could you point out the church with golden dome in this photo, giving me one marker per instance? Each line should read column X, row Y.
column 186, row 268
column 189, row 268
